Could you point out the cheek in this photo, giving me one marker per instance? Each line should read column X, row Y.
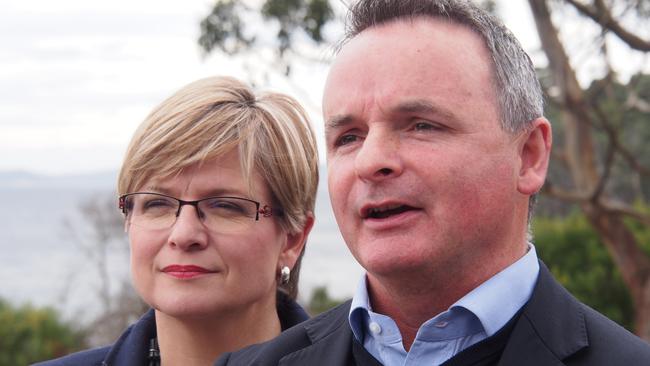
column 144, row 249
column 483, row 191
column 253, row 257
column 339, row 183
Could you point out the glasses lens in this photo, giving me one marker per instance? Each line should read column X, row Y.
column 226, row 214
column 151, row 210
column 219, row 214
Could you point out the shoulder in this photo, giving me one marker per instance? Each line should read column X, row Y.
column 289, row 312
column 611, row 344
column 290, row 341
column 577, row 334
column 129, row 349
column 91, row 357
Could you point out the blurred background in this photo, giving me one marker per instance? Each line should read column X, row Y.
column 77, row 78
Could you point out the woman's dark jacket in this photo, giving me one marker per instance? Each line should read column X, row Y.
column 132, row 348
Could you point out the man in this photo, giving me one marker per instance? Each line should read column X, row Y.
column 436, row 147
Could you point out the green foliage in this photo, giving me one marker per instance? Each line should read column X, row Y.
column 28, row 335
column 223, row 28
column 308, row 15
column 320, row 301
column 578, row 259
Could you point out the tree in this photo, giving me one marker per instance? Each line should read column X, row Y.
column 29, row 335
column 101, row 234
column 583, row 118
column 599, row 125
column 224, row 28
column 576, row 256
column 321, row 301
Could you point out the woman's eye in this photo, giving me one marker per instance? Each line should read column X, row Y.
column 225, row 206
column 158, row 203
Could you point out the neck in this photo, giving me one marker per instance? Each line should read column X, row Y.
column 201, row 340
column 414, row 298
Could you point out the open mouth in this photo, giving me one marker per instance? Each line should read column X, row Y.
column 383, row 212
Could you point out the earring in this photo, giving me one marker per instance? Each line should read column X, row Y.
column 285, row 275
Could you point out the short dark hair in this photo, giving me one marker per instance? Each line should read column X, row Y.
column 518, row 91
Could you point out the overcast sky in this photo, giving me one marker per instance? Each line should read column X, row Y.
column 78, row 76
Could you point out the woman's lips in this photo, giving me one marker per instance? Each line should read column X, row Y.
column 186, row 271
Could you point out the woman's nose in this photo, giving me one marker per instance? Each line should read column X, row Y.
column 188, row 232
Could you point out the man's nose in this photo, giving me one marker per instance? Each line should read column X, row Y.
column 378, row 157
column 188, row 232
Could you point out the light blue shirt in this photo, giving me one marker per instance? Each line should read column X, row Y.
column 476, row 316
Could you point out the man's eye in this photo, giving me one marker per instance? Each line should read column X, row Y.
column 425, row 126
column 346, row 139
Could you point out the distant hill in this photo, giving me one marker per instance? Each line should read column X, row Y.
column 23, row 179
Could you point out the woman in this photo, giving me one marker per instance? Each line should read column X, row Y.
column 218, row 189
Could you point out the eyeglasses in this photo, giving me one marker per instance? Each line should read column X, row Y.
column 220, row 214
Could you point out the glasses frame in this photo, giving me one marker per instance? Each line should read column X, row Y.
column 265, row 211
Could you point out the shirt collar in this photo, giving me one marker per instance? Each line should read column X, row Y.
column 494, row 302
column 359, row 309
column 499, row 298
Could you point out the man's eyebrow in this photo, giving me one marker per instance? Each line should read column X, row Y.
column 424, row 107
column 417, row 106
column 338, row 121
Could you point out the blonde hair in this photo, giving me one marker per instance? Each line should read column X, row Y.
column 210, row 117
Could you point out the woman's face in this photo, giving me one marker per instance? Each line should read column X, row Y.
column 189, row 269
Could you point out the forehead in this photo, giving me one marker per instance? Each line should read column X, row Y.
column 222, row 175
column 416, row 59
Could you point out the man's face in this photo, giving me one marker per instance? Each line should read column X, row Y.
column 421, row 176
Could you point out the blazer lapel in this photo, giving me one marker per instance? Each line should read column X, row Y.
column 551, row 327
column 331, row 339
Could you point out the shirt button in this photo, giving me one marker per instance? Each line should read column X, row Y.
column 374, row 328
column 441, row 324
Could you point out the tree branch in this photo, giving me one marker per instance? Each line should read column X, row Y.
column 603, row 17
column 634, row 101
column 619, row 208
column 609, row 162
column 559, row 155
column 615, row 143
column 554, row 191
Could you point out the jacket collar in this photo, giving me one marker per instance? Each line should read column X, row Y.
column 551, row 327
column 331, row 340
column 132, row 348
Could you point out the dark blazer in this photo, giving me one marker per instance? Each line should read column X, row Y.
column 132, row 348
column 553, row 329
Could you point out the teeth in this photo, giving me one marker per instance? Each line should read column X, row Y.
column 375, row 210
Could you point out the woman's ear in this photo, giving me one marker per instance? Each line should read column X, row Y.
column 534, row 154
column 296, row 242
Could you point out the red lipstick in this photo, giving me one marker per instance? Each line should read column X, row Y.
column 185, row 271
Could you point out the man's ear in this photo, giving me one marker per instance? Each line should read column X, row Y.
column 534, row 154
column 296, row 242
